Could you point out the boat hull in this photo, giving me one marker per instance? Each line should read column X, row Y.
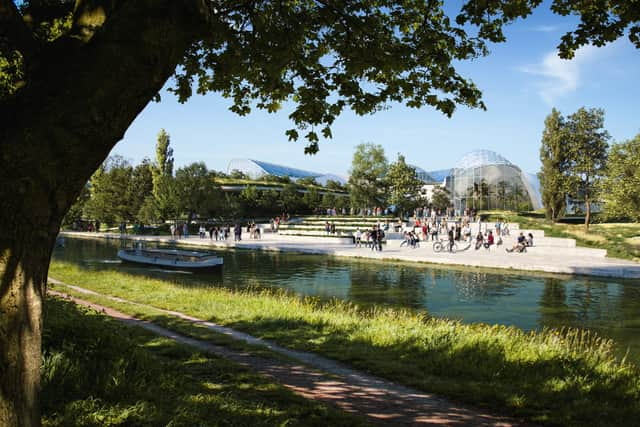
column 173, row 259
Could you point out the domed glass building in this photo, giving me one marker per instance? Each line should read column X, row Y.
column 484, row 179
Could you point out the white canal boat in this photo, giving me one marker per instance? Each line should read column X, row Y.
column 171, row 258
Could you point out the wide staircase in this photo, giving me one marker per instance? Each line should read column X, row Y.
column 346, row 226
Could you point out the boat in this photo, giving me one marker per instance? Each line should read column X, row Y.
column 171, row 258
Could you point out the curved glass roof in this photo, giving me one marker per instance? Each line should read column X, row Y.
column 479, row 158
column 258, row 168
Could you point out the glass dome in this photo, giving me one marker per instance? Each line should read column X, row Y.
column 479, row 158
column 484, row 179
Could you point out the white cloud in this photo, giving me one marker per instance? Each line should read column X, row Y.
column 560, row 77
column 545, row 28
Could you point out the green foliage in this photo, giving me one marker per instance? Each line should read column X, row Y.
column 99, row 372
column 111, row 188
column 367, row 180
column 440, row 199
column 621, row 186
column 404, row 186
column 197, row 194
column 554, row 158
column 586, row 150
column 564, row 377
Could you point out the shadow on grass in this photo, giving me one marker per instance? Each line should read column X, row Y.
column 544, row 387
column 97, row 371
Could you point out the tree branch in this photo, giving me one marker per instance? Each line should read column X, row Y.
column 14, row 33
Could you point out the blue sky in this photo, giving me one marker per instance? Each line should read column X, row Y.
column 521, row 81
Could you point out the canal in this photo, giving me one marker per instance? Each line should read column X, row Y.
column 609, row 307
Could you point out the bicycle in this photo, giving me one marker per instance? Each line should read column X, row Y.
column 444, row 246
column 407, row 243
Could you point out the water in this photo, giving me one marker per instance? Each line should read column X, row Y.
column 610, row 307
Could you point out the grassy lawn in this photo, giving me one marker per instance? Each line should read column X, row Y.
column 621, row 240
column 555, row 377
column 98, row 372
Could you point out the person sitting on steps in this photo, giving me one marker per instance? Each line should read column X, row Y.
column 490, row 241
column 520, row 246
column 479, row 240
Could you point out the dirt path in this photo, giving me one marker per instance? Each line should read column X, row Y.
column 322, row 379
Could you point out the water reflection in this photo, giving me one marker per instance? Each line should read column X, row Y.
column 611, row 308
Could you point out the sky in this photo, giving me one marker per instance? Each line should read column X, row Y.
column 521, row 81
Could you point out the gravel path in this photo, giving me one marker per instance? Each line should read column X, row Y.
column 315, row 377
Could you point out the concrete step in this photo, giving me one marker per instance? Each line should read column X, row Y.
column 573, row 251
column 545, row 241
column 341, row 240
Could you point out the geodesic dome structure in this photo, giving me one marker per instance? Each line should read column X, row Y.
column 484, row 179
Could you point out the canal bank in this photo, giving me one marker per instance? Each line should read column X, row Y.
column 559, row 260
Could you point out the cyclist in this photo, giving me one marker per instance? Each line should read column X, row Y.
column 451, row 239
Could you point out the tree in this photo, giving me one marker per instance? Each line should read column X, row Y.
column 195, row 190
column 440, row 199
column 587, row 155
column 141, row 188
column 553, row 156
column 75, row 74
column 404, row 186
column 164, row 189
column 368, row 170
column 110, row 189
column 621, row 185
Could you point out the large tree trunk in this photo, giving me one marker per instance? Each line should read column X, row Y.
column 54, row 132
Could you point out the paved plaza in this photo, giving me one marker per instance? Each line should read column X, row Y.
column 550, row 255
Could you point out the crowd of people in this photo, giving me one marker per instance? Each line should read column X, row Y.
column 372, row 238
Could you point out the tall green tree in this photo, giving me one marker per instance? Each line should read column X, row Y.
column 367, row 176
column 404, row 186
column 440, row 199
column 110, row 189
column 75, row 74
column 165, row 191
column 141, row 187
column 553, row 156
column 621, row 185
column 587, row 144
column 197, row 194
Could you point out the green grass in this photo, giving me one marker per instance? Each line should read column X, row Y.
column 98, row 372
column 557, row 377
column 621, row 240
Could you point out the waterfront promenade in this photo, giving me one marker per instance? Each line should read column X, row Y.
column 540, row 258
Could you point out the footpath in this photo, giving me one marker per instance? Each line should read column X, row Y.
column 550, row 255
column 379, row 401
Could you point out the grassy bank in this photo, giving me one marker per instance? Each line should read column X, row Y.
column 621, row 240
column 565, row 378
column 108, row 374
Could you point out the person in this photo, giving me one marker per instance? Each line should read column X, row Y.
column 358, row 238
column 451, row 239
column 490, row 240
column 529, row 240
column 479, row 240
column 380, row 236
column 172, row 230
column 466, row 232
column 374, row 238
column 520, row 245
column 185, row 230
column 201, row 231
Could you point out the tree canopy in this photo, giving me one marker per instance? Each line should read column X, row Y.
column 621, row 186
column 554, row 159
column 367, row 183
column 324, row 55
